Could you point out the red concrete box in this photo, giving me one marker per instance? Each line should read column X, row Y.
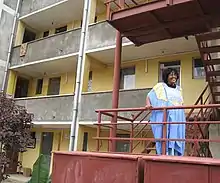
column 167, row 169
column 85, row 167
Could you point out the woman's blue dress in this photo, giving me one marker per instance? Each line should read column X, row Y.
column 160, row 96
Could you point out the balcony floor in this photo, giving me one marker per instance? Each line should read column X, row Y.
column 157, row 21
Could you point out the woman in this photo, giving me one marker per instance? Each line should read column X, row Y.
column 163, row 94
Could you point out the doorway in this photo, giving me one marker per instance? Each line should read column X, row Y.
column 28, row 36
column 21, row 87
column 173, row 64
column 47, row 143
column 122, row 146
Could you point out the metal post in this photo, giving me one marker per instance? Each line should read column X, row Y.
column 79, row 77
column 116, row 86
column 98, row 131
column 164, row 132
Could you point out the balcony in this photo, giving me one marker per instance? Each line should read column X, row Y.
column 101, row 35
column 53, row 46
column 59, row 108
column 158, row 20
column 31, row 6
column 67, row 43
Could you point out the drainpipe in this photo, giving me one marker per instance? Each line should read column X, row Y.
column 3, row 89
column 79, row 77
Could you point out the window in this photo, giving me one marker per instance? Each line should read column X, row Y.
column 96, row 19
column 54, row 86
column 123, row 146
column 127, row 79
column 165, row 65
column 61, row 29
column 46, row 33
column 90, row 82
column 39, row 86
column 198, row 68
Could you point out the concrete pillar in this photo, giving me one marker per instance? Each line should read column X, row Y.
column 11, row 85
column 20, row 33
column 86, row 73
column 92, row 11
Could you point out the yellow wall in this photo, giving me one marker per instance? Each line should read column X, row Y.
column 60, row 142
column 102, row 77
column 67, row 84
column 104, row 144
column 12, row 79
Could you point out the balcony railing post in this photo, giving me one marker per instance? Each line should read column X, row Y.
column 164, row 142
column 98, row 131
column 131, row 136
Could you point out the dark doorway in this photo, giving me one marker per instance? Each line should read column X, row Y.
column 54, row 86
column 123, row 146
column 28, row 36
column 85, row 141
column 47, row 143
column 13, row 156
column 21, row 87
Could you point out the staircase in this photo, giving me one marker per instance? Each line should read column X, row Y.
column 209, row 47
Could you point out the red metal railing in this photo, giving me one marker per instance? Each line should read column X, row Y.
column 199, row 117
column 195, row 141
column 117, row 5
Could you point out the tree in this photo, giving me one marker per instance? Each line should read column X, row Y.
column 15, row 128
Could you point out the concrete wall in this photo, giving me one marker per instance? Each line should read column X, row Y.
column 52, row 46
column 59, row 108
column 100, row 35
column 7, row 10
column 30, row 6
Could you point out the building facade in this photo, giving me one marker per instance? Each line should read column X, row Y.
column 43, row 66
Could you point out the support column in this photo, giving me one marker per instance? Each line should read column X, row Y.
column 116, row 86
column 86, row 73
column 92, row 11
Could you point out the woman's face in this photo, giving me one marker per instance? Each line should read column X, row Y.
column 172, row 78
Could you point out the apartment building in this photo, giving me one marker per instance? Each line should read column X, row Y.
column 43, row 64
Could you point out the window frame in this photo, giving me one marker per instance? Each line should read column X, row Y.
column 121, row 74
column 193, row 67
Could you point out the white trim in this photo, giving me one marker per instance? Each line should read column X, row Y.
column 108, row 47
column 51, row 123
column 5, row 8
column 44, row 60
column 43, row 9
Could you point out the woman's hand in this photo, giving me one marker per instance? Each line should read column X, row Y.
column 148, row 104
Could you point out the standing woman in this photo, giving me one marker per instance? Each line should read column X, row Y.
column 163, row 94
